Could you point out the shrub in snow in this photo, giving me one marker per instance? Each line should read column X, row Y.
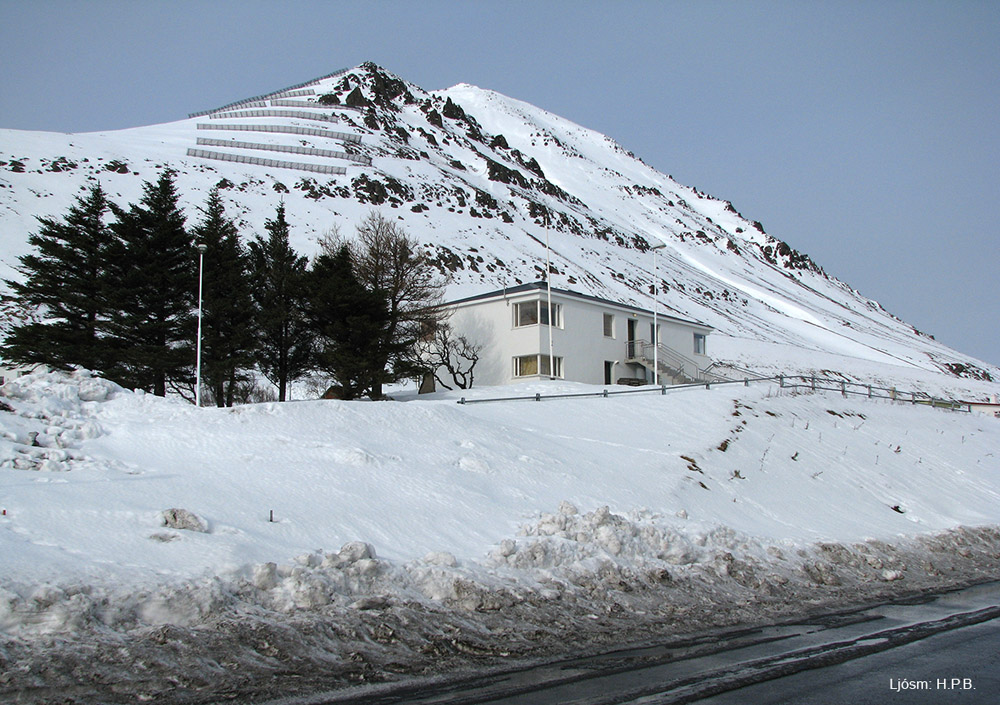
column 183, row 519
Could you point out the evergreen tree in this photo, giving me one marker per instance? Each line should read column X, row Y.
column 284, row 339
column 156, row 280
column 65, row 279
column 227, row 307
column 349, row 322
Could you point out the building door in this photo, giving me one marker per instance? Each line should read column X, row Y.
column 632, row 352
column 609, row 369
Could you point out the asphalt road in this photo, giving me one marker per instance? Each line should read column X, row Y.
column 959, row 666
column 935, row 649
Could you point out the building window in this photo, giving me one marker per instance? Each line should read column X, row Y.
column 526, row 314
column 543, row 314
column 609, row 325
column 525, row 365
column 529, row 365
column 530, row 313
column 699, row 344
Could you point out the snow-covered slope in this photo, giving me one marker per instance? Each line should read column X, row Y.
column 99, row 464
column 477, row 177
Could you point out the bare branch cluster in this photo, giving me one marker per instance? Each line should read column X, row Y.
column 445, row 352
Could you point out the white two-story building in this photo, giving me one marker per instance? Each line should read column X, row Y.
column 594, row 340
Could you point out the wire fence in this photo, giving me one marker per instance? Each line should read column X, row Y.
column 284, row 92
column 248, row 104
column 283, row 129
column 822, row 384
column 793, row 382
column 275, row 163
column 310, row 104
column 291, row 94
column 288, row 148
column 298, row 104
column 302, row 115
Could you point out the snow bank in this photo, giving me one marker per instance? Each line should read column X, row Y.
column 571, row 581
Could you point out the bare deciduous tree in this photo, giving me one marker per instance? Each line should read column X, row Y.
column 387, row 260
column 444, row 352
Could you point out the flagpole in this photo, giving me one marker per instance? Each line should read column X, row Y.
column 548, row 285
column 656, row 324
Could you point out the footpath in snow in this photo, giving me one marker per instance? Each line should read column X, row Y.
column 152, row 548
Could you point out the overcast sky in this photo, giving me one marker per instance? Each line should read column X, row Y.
column 866, row 134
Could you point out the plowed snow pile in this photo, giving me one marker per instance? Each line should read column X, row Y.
column 155, row 550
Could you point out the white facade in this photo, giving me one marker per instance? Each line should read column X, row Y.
column 594, row 340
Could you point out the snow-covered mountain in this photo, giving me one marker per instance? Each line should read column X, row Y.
column 481, row 179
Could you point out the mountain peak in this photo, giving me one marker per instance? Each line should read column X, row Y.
column 370, row 84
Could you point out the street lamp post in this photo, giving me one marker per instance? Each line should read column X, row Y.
column 656, row 305
column 197, row 373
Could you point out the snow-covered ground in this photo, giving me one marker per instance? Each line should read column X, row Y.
column 698, row 507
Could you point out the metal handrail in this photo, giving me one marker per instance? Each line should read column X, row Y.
column 638, row 350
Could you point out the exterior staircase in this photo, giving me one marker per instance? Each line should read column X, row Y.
column 674, row 366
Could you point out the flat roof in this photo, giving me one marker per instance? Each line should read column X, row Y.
column 541, row 286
